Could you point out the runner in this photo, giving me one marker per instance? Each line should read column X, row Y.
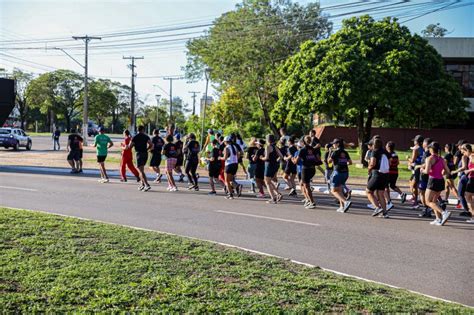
column 450, row 186
column 470, row 184
column 191, row 150
column 308, row 158
column 393, row 175
column 231, row 158
column 424, row 177
column 341, row 161
column 56, row 134
column 414, row 161
column 214, row 166
column 260, row 167
column 142, row 143
column 73, row 148
column 329, row 165
column 102, row 143
column 155, row 161
column 368, row 154
column 463, row 166
column 434, row 168
column 378, row 170
column 251, row 150
column 208, row 143
column 127, row 158
column 179, row 157
column 272, row 153
column 290, row 167
column 316, row 144
column 170, row 150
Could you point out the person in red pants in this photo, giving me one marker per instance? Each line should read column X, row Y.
column 127, row 158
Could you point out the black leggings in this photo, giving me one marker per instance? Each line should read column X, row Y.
column 191, row 167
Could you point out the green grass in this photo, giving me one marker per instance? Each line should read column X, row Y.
column 58, row 264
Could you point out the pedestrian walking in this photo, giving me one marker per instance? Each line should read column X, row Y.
column 56, row 134
column 102, row 143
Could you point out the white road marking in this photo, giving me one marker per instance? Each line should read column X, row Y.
column 267, row 218
column 18, row 188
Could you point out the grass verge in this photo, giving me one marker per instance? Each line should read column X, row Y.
column 53, row 263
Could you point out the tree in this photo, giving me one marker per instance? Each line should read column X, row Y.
column 369, row 70
column 434, row 30
column 57, row 95
column 22, row 80
column 244, row 48
column 103, row 100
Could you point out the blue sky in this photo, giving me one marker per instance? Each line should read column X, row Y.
column 34, row 19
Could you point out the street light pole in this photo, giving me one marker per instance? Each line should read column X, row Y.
column 158, row 97
column 85, row 115
column 207, row 73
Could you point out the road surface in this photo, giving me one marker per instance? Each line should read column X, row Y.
column 403, row 251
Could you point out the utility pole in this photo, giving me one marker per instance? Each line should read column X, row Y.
column 171, row 94
column 85, row 115
column 194, row 101
column 132, row 105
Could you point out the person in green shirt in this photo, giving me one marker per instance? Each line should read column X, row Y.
column 102, row 143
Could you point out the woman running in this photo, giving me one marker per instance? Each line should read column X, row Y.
column 414, row 161
column 179, row 158
column 260, row 167
column 450, row 186
column 308, row 158
column 191, row 150
column 393, row 174
column 272, row 154
column 251, row 150
column 290, row 167
column 171, row 153
column 459, row 158
column 231, row 158
column 470, row 183
column 328, row 165
column 341, row 161
column 424, row 177
column 127, row 158
column 155, row 161
column 283, row 147
column 241, row 146
column 378, row 169
column 214, row 166
column 434, row 168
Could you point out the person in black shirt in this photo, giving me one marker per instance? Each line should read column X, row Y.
column 142, row 143
column 56, row 134
column 307, row 156
column 423, row 183
column 316, row 144
column 340, row 160
column 171, row 152
column 214, row 165
column 260, row 167
column 74, row 151
column 251, row 150
column 180, row 157
column 289, row 167
column 449, row 158
column 378, row 179
column 191, row 150
column 272, row 154
column 155, row 161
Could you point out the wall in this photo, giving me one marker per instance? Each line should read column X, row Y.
column 401, row 136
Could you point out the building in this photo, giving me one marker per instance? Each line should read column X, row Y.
column 209, row 102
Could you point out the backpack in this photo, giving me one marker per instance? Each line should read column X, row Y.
column 384, row 164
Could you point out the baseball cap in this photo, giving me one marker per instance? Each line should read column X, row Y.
column 418, row 138
column 228, row 139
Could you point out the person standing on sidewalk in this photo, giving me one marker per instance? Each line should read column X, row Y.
column 102, row 143
column 127, row 158
column 56, row 134
column 73, row 148
column 142, row 143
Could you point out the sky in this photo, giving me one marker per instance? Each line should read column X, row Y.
column 28, row 20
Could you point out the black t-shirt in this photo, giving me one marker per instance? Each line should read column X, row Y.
column 74, row 141
column 260, row 152
column 170, row 150
column 158, row 144
column 308, row 157
column 340, row 160
column 222, row 148
column 250, row 153
column 141, row 142
column 179, row 148
column 377, row 154
column 192, row 150
column 57, row 134
column 215, row 153
column 314, row 142
column 291, row 152
column 450, row 161
column 326, row 163
column 458, row 155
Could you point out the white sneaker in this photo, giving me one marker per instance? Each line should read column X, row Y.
column 347, row 205
column 310, row 206
column 370, row 206
column 470, row 221
column 446, row 215
column 377, row 212
column 341, row 209
column 435, row 221
column 389, row 206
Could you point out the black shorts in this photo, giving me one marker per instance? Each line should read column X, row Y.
column 415, row 176
column 377, row 181
column 436, row 184
column 214, row 170
column 260, row 172
column 271, row 169
column 74, row 155
column 307, row 174
column 81, row 151
column 392, row 180
column 290, row 169
column 179, row 161
column 142, row 158
column 231, row 169
column 470, row 185
column 101, row 158
column 155, row 160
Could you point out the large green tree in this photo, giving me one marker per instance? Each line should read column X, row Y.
column 57, row 94
column 22, row 79
column 245, row 46
column 369, row 70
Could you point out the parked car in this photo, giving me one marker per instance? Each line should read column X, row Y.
column 14, row 138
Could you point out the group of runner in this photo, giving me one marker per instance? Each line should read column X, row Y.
column 297, row 161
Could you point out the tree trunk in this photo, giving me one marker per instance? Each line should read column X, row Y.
column 68, row 123
column 266, row 115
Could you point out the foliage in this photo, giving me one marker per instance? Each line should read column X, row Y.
column 22, row 103
column 254, row 129
column 102, row 100
column 369, row 70
column 54, row 264
column 193, row 125
column 434, row 30
column 228, row 109
column 245, row 46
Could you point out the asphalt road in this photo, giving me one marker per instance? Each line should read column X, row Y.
column 403, row 251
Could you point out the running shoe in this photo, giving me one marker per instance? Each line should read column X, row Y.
column 435, row 221
column 470, row 221
column 287, row 188
column 465, row 214
column 141, row 187
column 272, row 201
column 403, row 197
column 230, row 197
column 174, row 188
column 158, row 178
column 377, row 211
column 105, row 180
column 191, row 187
column 347, row 205
column 181, row 178
column 426, row 213
column 138, row 179
column 312, row 188
column 147, row 188
column 415, row 206
column 212, row 193
column 100, row 180
column 340, row 209
column 459, row 206
column 123, row 180
column 239, row 190
column 389, row 206
column 304, row 200
column 196, row 188
column 80, row 171
column 371, row 206
column 310, row 206
column 446, row 215
column 74, row 171
column 383, row 215
column 279, row 197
